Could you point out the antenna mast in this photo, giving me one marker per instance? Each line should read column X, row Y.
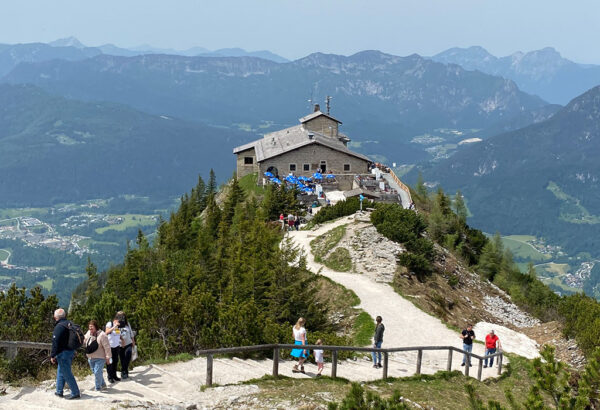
column 328, row 103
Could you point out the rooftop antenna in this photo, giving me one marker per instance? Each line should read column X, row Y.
column 328, row 103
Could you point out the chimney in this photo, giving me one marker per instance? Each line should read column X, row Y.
column 317, row 107
column 311, row 135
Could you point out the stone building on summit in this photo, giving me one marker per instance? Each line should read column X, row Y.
column 315, row 145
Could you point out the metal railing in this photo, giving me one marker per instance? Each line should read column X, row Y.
column 210, row 353
column 12, row 349
column 401, row 184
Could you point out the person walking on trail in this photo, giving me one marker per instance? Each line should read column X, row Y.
column 319, row 358
column 282, row 220
column 491, row 343
column 127, row 344
column 291, row 221
column 467, row 335
column 297, row 222
column 62, row 355
column 299, row 339
column 98, row 352
column 377, row 341
column 114, row 339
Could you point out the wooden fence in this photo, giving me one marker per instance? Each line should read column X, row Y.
column 12, row 349
column 401, row 184
column 334, row 356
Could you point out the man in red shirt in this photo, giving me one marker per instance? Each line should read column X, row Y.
column 491, row 343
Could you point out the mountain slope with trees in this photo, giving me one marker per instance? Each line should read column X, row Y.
column 380, row 98
column 54, row 149
column 542, row 180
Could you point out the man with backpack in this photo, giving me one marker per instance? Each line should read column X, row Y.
column 65, row 340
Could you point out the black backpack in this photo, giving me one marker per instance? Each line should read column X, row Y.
column 75, row 336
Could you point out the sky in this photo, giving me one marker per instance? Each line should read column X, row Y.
column 297, row 28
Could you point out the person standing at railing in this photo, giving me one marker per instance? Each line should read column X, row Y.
column 377, row 342
column 491, row 343
column 467, row 335
column 299, row 333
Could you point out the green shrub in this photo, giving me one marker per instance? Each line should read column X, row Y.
column 342, row 208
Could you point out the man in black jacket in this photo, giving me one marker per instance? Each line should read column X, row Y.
column 377, row 341
column 63, row 356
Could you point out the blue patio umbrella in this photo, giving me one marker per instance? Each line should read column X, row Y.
column 330, row 176
column 276, row 180
column 317, row 175
column 269, row 174
column 291, row 179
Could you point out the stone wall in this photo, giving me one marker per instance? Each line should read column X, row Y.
column 244, row 169
column 313, row 155
column 322, row 125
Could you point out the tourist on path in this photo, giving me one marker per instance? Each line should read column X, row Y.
column 319, row 358
column 127, row 344
column 491, row 343
column 282, row 220
column 299, row 333
column 114, row 339
column 63, row 356
column 98, row 352
column 377, row 341
column 467, row 335
column 291, row 221
column 297, row 222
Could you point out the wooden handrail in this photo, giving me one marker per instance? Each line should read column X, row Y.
column 12, row 349
column 210, row 353
column 401, row 184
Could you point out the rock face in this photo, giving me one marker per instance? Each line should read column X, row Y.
column 371, row 253
column 508, row 312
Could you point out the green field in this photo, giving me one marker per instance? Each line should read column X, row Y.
column 129, row 221
column 521, row 248
column 46, row 284
column 6, row 213
column 4, row 254
column 571, row 209
column 552, row 269
column 88, row 242
column 249, row 184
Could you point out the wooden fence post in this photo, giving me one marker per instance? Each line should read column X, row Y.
column 449, row 366
column 334, row 355
column 500, row 363
column 386, row 356
column 276, row 362
column 11, row 352
column 419, row 360
column 480, row 369
column 467, row 364
column 209, row 369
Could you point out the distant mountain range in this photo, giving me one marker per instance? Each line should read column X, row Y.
column 383, row 99
column 543, row 179
column 56, row 150
column 542, row 72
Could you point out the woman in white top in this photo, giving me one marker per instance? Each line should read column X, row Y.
column 127, row 344
column 300, row 339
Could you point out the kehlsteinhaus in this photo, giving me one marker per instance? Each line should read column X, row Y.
column 315, row 145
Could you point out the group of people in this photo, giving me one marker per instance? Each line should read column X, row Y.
column 293, row 221
column 492, row 345
column 109, row 346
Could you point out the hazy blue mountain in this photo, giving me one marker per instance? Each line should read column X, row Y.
column 541, row 72
column 395, row 96
column 67, row 42
column 543, row 179
column 240, row 52
column 12, row 55
column 54, row 149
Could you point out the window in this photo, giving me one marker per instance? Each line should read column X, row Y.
column 323, row 166
column 248, row 160
column 346, row 167
column 292, row 167
column 306, row 167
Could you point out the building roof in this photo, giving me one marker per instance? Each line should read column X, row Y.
column 286, row 140
column 315, row 115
